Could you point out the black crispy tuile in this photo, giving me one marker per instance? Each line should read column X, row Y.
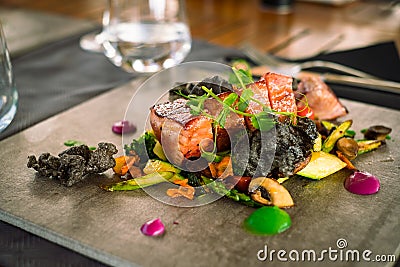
column 73, row 164
column 81, row 150
column 216, row 84
column 292, row 145
column 72, row 169
column 47, row 165
column 102, row 158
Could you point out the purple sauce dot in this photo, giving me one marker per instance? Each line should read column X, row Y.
column 123, row 126
column 362, row 183
column 153, row 228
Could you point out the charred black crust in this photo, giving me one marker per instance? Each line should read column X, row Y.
column 177, row 111
column 292, row 145
column 217, row 84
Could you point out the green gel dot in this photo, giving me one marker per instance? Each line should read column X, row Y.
column 268, row 221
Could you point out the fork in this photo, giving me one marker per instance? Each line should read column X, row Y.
column 291, row 69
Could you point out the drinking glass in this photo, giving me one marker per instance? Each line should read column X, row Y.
column 93, row 42
column 146, row 35
column 8, row 91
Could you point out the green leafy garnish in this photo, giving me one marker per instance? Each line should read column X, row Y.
column 77, row 143
column 350, row 133
column 227, row 103
column 196, row 104
column 244, row 100
column 263, row 121
column 219, row 187
column 240, row 78
column 143, row 147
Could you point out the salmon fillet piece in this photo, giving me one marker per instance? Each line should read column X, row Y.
column 233, row 125
column 274, row 91
column 260, row 90
column 280, row 92
column 181, row 133
column 321, row 99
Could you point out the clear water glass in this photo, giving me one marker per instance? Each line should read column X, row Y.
column 8, row 91
column 146, row 35
column 93, row 42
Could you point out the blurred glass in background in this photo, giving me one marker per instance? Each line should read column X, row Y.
column 8, row 91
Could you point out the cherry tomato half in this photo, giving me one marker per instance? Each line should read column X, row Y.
column 243, row 184
column 305, row 112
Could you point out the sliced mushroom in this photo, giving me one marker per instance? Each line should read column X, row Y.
column 377, row 132
column 348, row 146
column 268, row 191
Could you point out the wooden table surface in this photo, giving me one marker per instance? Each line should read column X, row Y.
column 310, row 26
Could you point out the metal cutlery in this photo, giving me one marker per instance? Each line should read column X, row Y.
column 359, row 79
column 368, row 83
column 291, row 69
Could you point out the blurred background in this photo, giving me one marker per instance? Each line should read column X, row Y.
column 303, row 29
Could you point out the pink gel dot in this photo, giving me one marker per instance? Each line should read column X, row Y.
column 153, row 228
column 362, row 183
column 123, row 126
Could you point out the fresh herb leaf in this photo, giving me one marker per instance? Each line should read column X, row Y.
column 143, row 147
column 240, row 78
column 227, row 104
column 196, row 103
column 244, row 100
column 77, row 143
column 209, row 156
column 73, row 143
column 263, row 121
column 230, row 99
column 221, row 118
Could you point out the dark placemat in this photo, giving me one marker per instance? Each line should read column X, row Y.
column 62, row 75
column 20, row 248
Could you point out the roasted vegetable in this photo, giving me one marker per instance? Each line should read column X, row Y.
column 318, row 143
column 140, row 182
column 329, row 126
column 242, row 183
column 184, row 190
column 365, row 146
column 159, row 166
column 221, row 169
column 219, row 187
column 343, row 158
column 125, row 163
column 321, row 165
column 159, row 151
column 268, row 191
column 339, row 132
column 377, row 132
column 348, row 147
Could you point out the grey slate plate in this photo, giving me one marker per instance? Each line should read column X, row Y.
column 105, row 225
